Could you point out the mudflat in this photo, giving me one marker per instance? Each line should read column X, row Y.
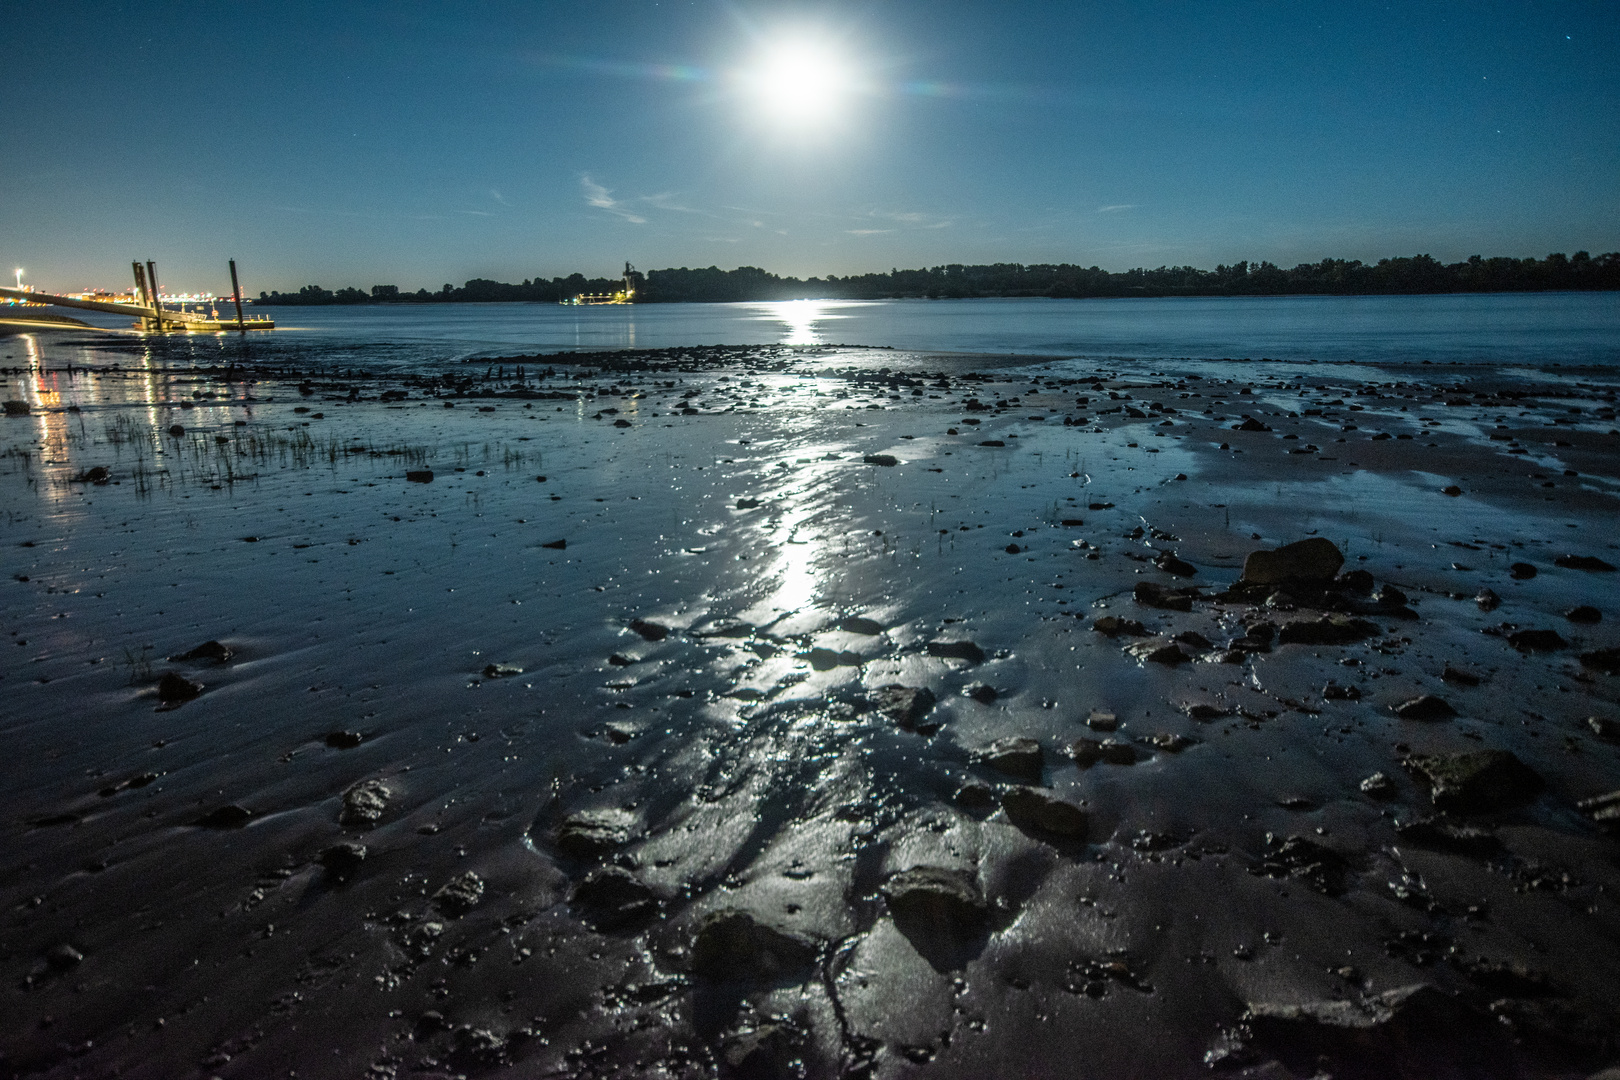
column 768, row 712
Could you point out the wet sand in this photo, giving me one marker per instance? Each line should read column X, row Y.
column 586, row 758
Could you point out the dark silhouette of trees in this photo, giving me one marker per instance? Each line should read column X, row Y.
column 1344, row 277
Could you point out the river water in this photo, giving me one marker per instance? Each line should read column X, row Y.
column 1537, row 329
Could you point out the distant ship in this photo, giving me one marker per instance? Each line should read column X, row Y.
column 626, row 295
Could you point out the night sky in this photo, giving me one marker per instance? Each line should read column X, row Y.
column 418, row 144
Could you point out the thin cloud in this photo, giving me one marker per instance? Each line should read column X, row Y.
column 498, row 197
column 869, row 232
column 1117, row 208
column 601, row 198
column 478, row 213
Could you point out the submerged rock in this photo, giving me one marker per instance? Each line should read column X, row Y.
column 1584, row 562
column 1315, row 559
column 906, row 706
column 1477, row 781
column 1018, row 757
column 592, row 833
column 1036, row 812
column 611, row 898
column 733, row 945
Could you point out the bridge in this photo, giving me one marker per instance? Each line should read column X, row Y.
column 151, row 316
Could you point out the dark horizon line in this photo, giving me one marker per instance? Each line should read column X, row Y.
column 1416, row 274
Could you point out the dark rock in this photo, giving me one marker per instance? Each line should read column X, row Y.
column 1378, row 786
column 610, row 898
column 620, row 660
column 592, row 833
column 1113, row 626
column 556, row 545
column 992, row 442
column 501, row 671
column 1171, row 564
column 1013, row 549
column 226, row 817
column 1036, row 812
column 1335, row 692
column 1018, row 757
column 364, row 804
column 621, row 423
column 885, row 460
column 1475, row 782
column 208, row 650
column 1451, row 489
column 747, row 504
column 1251, row 424
column 1329, row 630
column 936, row 902
column 956, row 650
column 63, row 956
column 767, row 1052
column 1315, row 559
column 1356, row 581
column 18, row 408
column 1521, row 571
column 1203, row 712
column 1443, row 835
column 1585, row 613
column 1583, row 562
column 1087, row 752
column 1171, row 743
column 1536, row 640
column 733, row 945
column 977, row 798
column 1154, row 595
column 97, row 475
column 1604, row 660
column 177, row 430
column 826, row 659
column 980, row 692
column 1459, row 676
column 649, row 631
column 419, row 476
column 904, row 705
column 343, row 740
column 1298, row 803
column 174, row 688
column 856, row 624
column 1390, row 596
column 459, row 895
column 342, row 860
column 1166, row 653
column 1425, row 707
column 1604, row 728
column 1487, row 600
column 1603, row 809
column 1322, row 868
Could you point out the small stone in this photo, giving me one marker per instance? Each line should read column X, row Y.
column 1107, row 721
column 620, row 660
column 936, row 902
column 1315, row 559
column 1451, row 489
column 1378, row 786
column 419, row 476
column 1036, row 812
column 1166, row 653
column 1329, row 630
column 592, row 833
column 1087, row 752
column 1536, row 640
column 1477, row 781
column 208, row 650
column 956, row 650
column 501, row 671
column 1155, row 595
column 18, row 408
column 226, row 817
column 1443, row 835
column 611, row 898
column 649, row 631
column 1171, row 743
column 733, row 945
column 1583, row 562
column 364, row 803
column 459, row 895
column 1177, row 567
column 1459, row 676
column 976, row 797
column 1585, row 613
column 1521, row 571
column 980, row 692
column 556, row 545
column 1113, row 626
column 63, row 956
column 343, row 740
column 342, row 860
column 1320, row 867
column 1425, row 707
column 904, row 705
column 856, row 624
column 1017, row 756
column 884, row 460
column 1335, row 692
column 1604, row 728
column 174, row 688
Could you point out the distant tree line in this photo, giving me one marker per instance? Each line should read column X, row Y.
column 1414, row 274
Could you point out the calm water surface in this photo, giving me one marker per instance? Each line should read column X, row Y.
column 1517, row 328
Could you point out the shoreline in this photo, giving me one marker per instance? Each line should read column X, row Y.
column 566, row 725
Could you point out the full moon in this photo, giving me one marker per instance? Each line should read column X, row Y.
column 798, row 86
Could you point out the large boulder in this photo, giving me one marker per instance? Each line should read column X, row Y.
column 1315, row 559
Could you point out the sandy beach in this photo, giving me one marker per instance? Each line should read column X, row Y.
column 810, row 712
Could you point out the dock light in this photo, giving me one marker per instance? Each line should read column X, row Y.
column 19, row 277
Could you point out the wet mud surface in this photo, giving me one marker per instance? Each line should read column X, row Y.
column 810, row 713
